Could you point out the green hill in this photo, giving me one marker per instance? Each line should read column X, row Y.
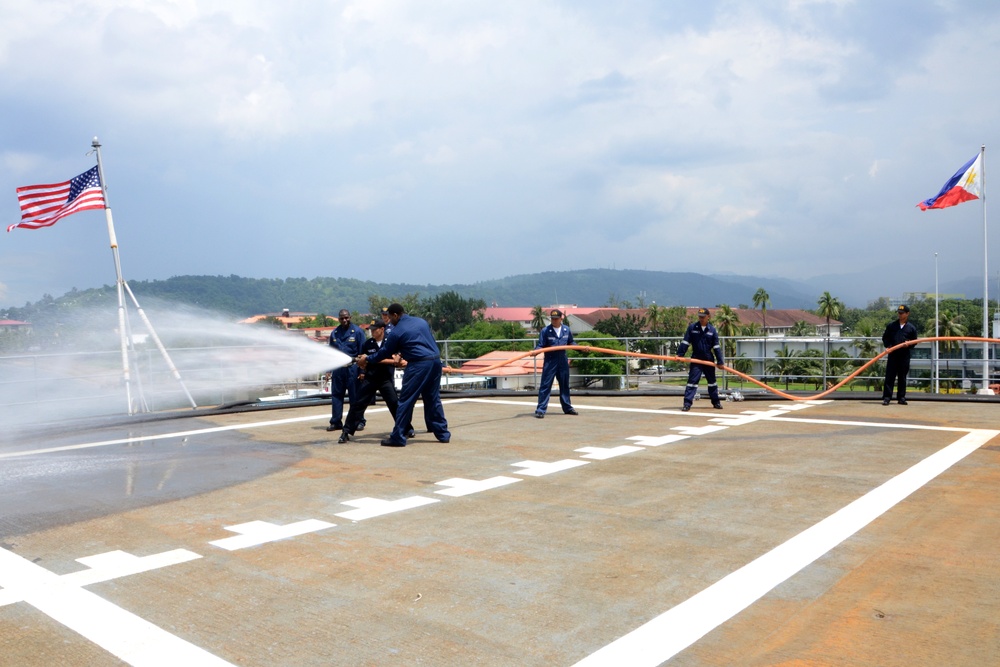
column 242, row 297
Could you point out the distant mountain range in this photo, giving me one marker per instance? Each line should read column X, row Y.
column 588, row 287
column 596, row 287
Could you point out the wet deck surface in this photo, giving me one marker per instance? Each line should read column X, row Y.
column 834, row 533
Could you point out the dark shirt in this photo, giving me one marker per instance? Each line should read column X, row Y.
column 376, row 373
column 896, row 333
column 412, row 338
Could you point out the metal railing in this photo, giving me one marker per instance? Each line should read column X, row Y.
column 38, row 387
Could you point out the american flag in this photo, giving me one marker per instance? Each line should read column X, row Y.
column 44, row 205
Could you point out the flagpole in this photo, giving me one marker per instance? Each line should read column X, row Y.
column 122, row 329
column 123, row 325
column 986, row 282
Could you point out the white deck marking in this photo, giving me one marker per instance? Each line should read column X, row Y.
column 165, row 436
column 604, row 453
column 656, row 441
column 326, row 416
column 595, row 408
column 842, row 422
column 671, row 632
column 113, row 565
column 463, row 487
column 253, row 533
column 698, row 430
column 540, row 469
column 372, row 507
column 749, row 417
column 185, row 434
column 141, row 643
column 123, row 634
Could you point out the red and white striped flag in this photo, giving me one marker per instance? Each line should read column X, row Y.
column 44, row 205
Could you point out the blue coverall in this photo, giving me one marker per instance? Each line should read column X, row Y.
column 349, row 339
column 704, row 344
column 556, row 366
column 412, row 338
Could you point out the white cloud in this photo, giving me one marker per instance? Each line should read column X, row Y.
column 441, row 155
column 754, row 122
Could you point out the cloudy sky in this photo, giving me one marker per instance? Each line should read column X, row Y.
column 453, row 141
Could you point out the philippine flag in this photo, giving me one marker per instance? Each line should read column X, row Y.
column 965, row 185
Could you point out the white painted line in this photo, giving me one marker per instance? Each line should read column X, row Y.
column 540, row 469
column 165, row 436
column 463, row 487
column 123, row 634
column 698, row 430
column 671, row 632
column 595, row 408
column 372, row 507
column 319, row 417
column 656, row 441
column 748, row 417
column 116, row 564
column 113, row 565
column 604, row 453
column 841, row 422
column 253, row 533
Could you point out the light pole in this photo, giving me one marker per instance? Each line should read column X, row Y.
column 937, row 322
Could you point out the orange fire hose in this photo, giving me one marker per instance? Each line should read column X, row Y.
column 777, row 392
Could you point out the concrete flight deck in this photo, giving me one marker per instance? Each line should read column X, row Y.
column 768, row 533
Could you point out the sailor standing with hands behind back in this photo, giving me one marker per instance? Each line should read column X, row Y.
column 898, row 363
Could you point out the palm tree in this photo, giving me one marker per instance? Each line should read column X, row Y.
column 866, row 345
column 743, row 364
column 829, row 307
column 727, row 322
column 762, row 300
column 654, row 318
column 801, row 328
column 807, row 365
column 751, row 330
column 949, row 325
column 783, row 364
column 840, row 362
column 537, row 318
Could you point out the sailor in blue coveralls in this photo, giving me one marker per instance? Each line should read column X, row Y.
column 411, row 337
column 703, row 340
column 349, row 339
column 556, row 365
column 375, row 378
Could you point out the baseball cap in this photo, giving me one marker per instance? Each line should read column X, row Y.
column 376, row 324
column 556, row 313
column 903, row 309
column 703, row 312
